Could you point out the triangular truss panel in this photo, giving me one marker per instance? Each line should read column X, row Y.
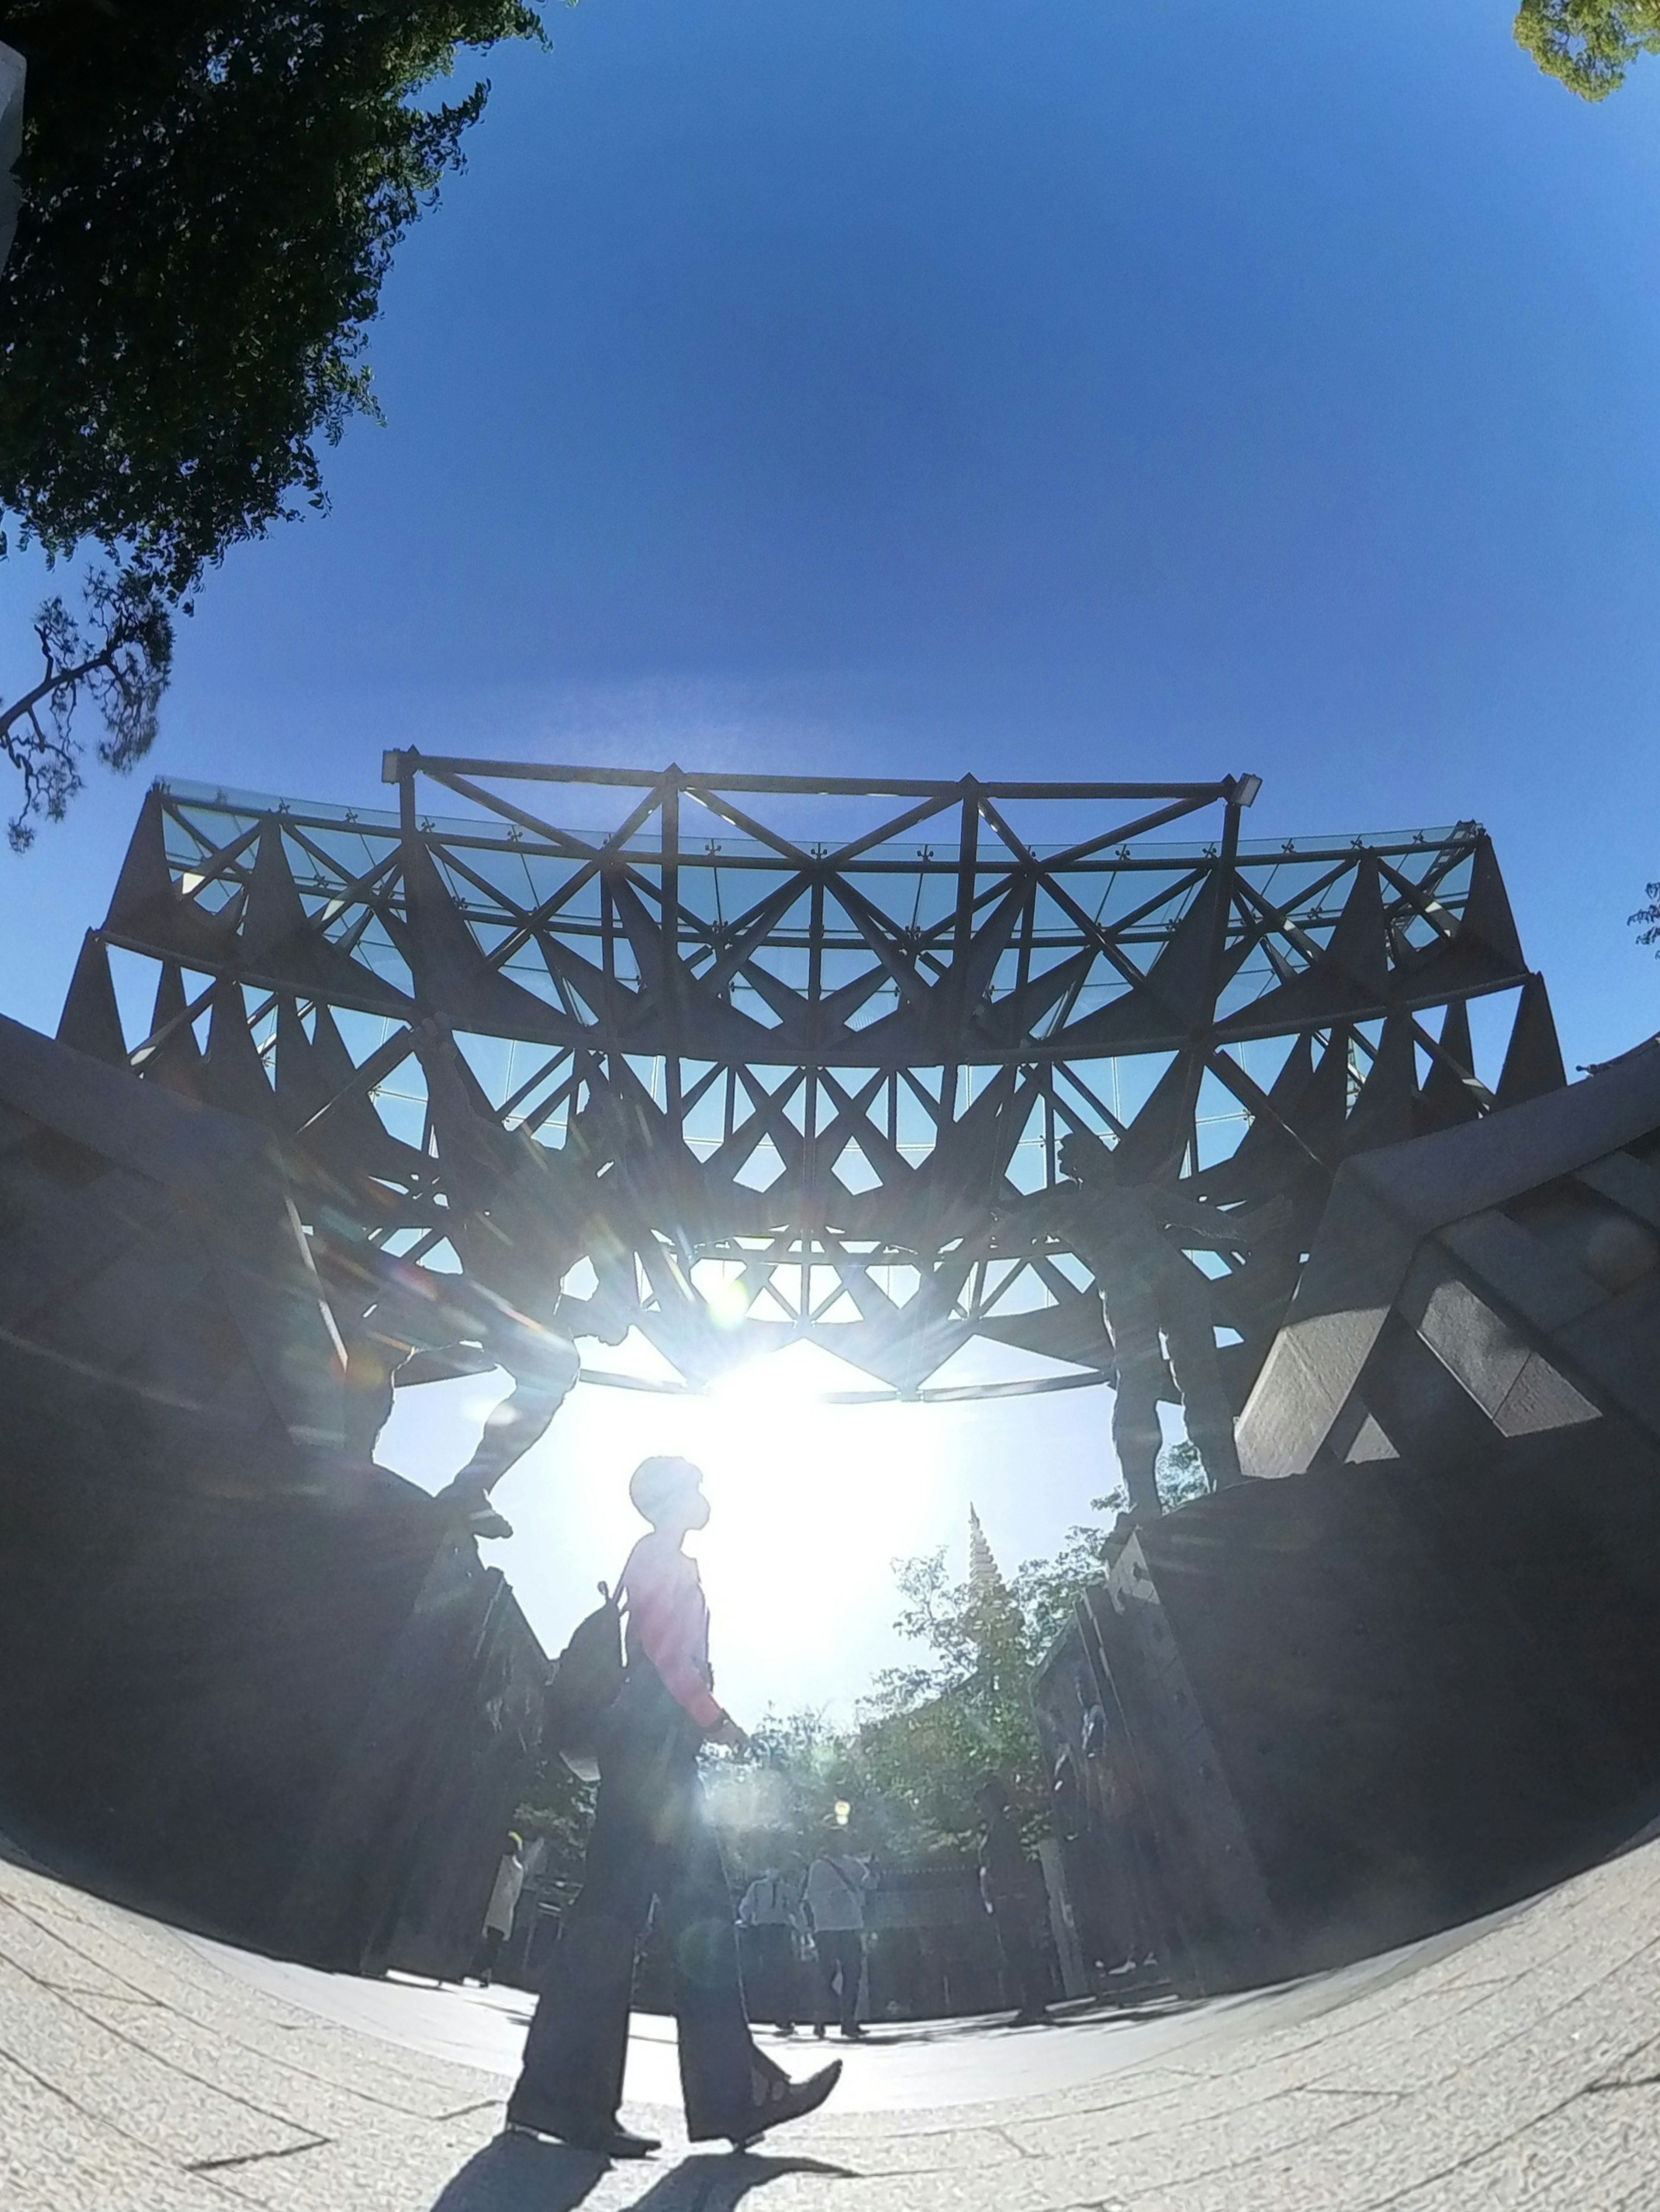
column 743, row 1059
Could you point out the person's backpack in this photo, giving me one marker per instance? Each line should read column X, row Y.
column 585, row 1683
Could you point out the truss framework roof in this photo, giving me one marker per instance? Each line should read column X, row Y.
column 746, row 1059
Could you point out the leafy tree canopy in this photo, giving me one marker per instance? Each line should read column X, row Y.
column 118, row 653
column 1589, row 44
column 214, row 189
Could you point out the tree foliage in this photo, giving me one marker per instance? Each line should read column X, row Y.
column 213, row 195
column 559, row 1809
column 1649, row 917
column 118, row 653
column 213, row 190
column 1589, row 44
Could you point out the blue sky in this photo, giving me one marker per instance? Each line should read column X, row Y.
column 939, row 384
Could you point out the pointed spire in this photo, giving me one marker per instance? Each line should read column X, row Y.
column 1348, row 981
column 91, row 1020
column 300, row 1090
column 1487, row 916
column 1533, row 1064
column 985, row 1576
column 175, row 1061
column 1484, row 953
column 1267, row 1154
column 453, row 979
column 150, row 909
column 233, row 1075
column 1359, row 944
column 1323, row 1109
column 477, row 1152
column 1184, row 975
column 1383, row 1112
column 1446, row 1099
column 1151, row 1149
column 280, row 947
column 1175, row 999
column 351, row 1130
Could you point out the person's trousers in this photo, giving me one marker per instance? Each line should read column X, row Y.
column 840, row 1955
column 769, row 1955
column 489, row 1951
column 1022, row 1967
column 651, row 1839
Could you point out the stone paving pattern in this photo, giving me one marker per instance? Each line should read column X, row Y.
column 1522, row 2069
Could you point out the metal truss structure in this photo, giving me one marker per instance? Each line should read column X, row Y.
column 735, row 1060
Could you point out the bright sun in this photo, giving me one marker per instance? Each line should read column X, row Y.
column 812, row 1502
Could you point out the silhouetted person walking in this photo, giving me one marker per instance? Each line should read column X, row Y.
column 768, row 1923
column 1006, row 1887
column 652, row 1839
column 498, row 1913
column 836, row 1882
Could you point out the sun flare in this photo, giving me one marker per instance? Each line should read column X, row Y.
column 813, row 1501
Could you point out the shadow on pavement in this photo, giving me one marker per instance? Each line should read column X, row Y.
column 516, row 2173
column 520, row 2173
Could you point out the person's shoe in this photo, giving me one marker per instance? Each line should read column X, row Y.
column 819, row 2032
column 787, row 2028
column 1032, row 2016
column 788, row 2100
column 853, row 2034
column 488, row 1524
column 606, row 2138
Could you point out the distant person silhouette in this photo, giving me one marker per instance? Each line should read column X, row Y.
column 652, row 1838
column 1005, row 1889
column 836, row 1882
column 498, row 1913
column 770, row 1922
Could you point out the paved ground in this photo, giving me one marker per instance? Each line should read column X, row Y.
column 145, row 2071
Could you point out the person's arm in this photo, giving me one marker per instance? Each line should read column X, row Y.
column 1196, row 1222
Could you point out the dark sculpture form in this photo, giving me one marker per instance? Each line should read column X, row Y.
column 246, row 1675
column 1411, row 1671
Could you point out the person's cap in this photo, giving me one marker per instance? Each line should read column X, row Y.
column 661, row 1482
column 515, row 1838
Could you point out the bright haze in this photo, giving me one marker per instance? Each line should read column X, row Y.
column 1061, row 390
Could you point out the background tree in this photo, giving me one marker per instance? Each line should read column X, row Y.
column 213, row 192
column 1589, row 44
column 120, row 654
column 559, row 1809
column 1649, row 917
